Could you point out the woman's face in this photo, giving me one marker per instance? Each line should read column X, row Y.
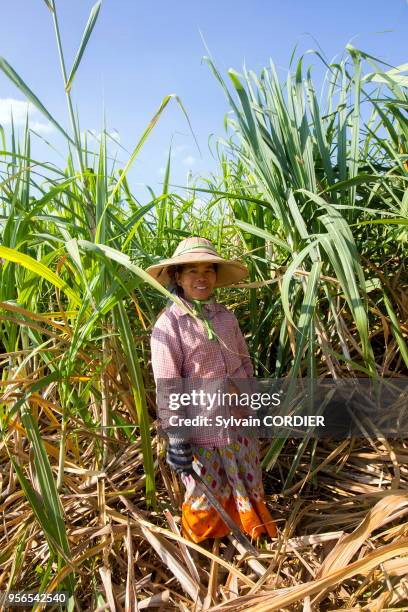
column 197, row 280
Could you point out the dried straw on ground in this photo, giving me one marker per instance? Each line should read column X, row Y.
column 343, row 530
column 313, row 190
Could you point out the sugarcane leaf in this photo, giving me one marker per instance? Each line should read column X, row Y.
column 85, row 38
column 257, row 231
column 29, row 94
column 49, row 494
column 396, row 329
column 38, row 268
column 139, row 395
column 383, row 222
column 289, row 276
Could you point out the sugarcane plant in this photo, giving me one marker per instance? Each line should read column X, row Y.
column 318, row 190
column 310, row 189
column 69, row 241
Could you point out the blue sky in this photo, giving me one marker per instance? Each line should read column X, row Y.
column 140, row 51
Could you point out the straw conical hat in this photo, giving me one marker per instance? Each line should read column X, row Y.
column 198, row 250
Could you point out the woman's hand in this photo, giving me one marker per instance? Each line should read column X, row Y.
column 179, row 455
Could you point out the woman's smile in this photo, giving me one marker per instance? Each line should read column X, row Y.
column 197, row 280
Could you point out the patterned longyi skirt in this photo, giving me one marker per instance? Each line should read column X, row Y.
column 233, row 473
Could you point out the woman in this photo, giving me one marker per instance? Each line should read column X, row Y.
column 210, row 346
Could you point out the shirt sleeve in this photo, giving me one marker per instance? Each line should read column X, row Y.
column 167, row 354
column 167, row 363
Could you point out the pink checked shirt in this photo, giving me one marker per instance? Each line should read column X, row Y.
column 181, row 349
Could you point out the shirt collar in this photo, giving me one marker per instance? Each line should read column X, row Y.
column 212, row 307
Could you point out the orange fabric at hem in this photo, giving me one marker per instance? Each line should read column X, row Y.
column 198, row 525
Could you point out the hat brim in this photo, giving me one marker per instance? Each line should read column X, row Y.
column 229, row 272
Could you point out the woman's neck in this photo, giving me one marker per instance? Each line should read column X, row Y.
column 210, row 300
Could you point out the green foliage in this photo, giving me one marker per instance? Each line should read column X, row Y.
column 310, row 190
column 305, row 179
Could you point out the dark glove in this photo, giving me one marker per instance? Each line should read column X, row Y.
column 179, row 456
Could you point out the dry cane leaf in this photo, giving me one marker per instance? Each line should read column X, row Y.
column 183, row 548
column 254, row 564
column 159, row 545
column 155, row 601
column 173, row 536
column 348, row 545
column 396, row 567
column 131, row 596
column 299, row 592
column 390, row 598
column 106, row 576
column 213, row 580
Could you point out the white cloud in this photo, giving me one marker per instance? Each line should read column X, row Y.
column 175, row 151
column 189, row 160
column 20, row 108
column 41, row 128
column 179, row 149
